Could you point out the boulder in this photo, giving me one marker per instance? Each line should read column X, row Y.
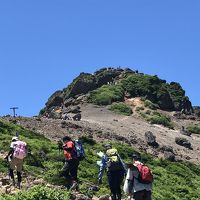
column 165, row 148
column 169, row 156
column 151, row 139
column 183, row 142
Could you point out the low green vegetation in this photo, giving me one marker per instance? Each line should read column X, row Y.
column 39, row 192
column 107, row 94
column 121, row 108
column 149, row 104
column 157, row 118
column 172, row 180
column 193, row 129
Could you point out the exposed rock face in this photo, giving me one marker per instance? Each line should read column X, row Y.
column 197, row 110
column 55, row 100
column 165, row 102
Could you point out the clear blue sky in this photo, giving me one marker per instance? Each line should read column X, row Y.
column 45, row 44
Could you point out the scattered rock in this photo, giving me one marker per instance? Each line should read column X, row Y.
column 184, row 132
column 166, row 148
column 169, row 156
column 151, row 139
column 183, row 142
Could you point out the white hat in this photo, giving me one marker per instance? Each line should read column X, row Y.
column 15, row 138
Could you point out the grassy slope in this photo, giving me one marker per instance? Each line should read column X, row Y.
column 174, row 181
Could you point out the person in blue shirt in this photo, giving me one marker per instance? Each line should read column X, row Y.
column 116, row 169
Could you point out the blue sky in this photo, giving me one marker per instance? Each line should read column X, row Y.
column 45, row 44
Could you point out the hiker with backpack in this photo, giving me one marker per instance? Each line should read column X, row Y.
column 15, row 157
column 73, row 152
column 116, row 169
column 139, row 179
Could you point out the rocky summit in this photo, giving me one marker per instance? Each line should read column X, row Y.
column 168, row 96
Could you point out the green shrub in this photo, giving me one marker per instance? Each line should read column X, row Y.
column 139, row 109
column 193, row 129
column 150, row 105
column 106, row 94
column 157, row 118
column 121, row 108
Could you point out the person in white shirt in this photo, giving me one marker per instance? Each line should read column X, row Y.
column 133, row 187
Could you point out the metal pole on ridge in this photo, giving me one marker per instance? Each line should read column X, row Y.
column 14, row 108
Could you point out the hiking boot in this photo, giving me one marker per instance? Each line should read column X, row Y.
column 74, row 186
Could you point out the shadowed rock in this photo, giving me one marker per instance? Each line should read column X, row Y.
column 183, row 142
column 151, row 139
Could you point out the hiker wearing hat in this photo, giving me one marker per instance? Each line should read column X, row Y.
column 139, row 179
column 15, row 157
column 116, row 169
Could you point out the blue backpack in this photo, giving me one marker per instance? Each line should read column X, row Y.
column 80, row 152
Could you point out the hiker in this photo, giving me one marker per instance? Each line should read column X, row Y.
column 71, row 164
column 138, row 182
column 115, row 171
column 15, row 157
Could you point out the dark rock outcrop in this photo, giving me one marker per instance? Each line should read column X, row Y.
column 183, row 142
column 55, row 100
column 151, row 139
column 196, row 111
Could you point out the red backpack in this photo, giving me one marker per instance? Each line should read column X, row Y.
column 145, row 174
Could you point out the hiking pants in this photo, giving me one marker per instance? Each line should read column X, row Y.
column 18, row 164
column 115, row 179
column 70, row 169
column 142, row 195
